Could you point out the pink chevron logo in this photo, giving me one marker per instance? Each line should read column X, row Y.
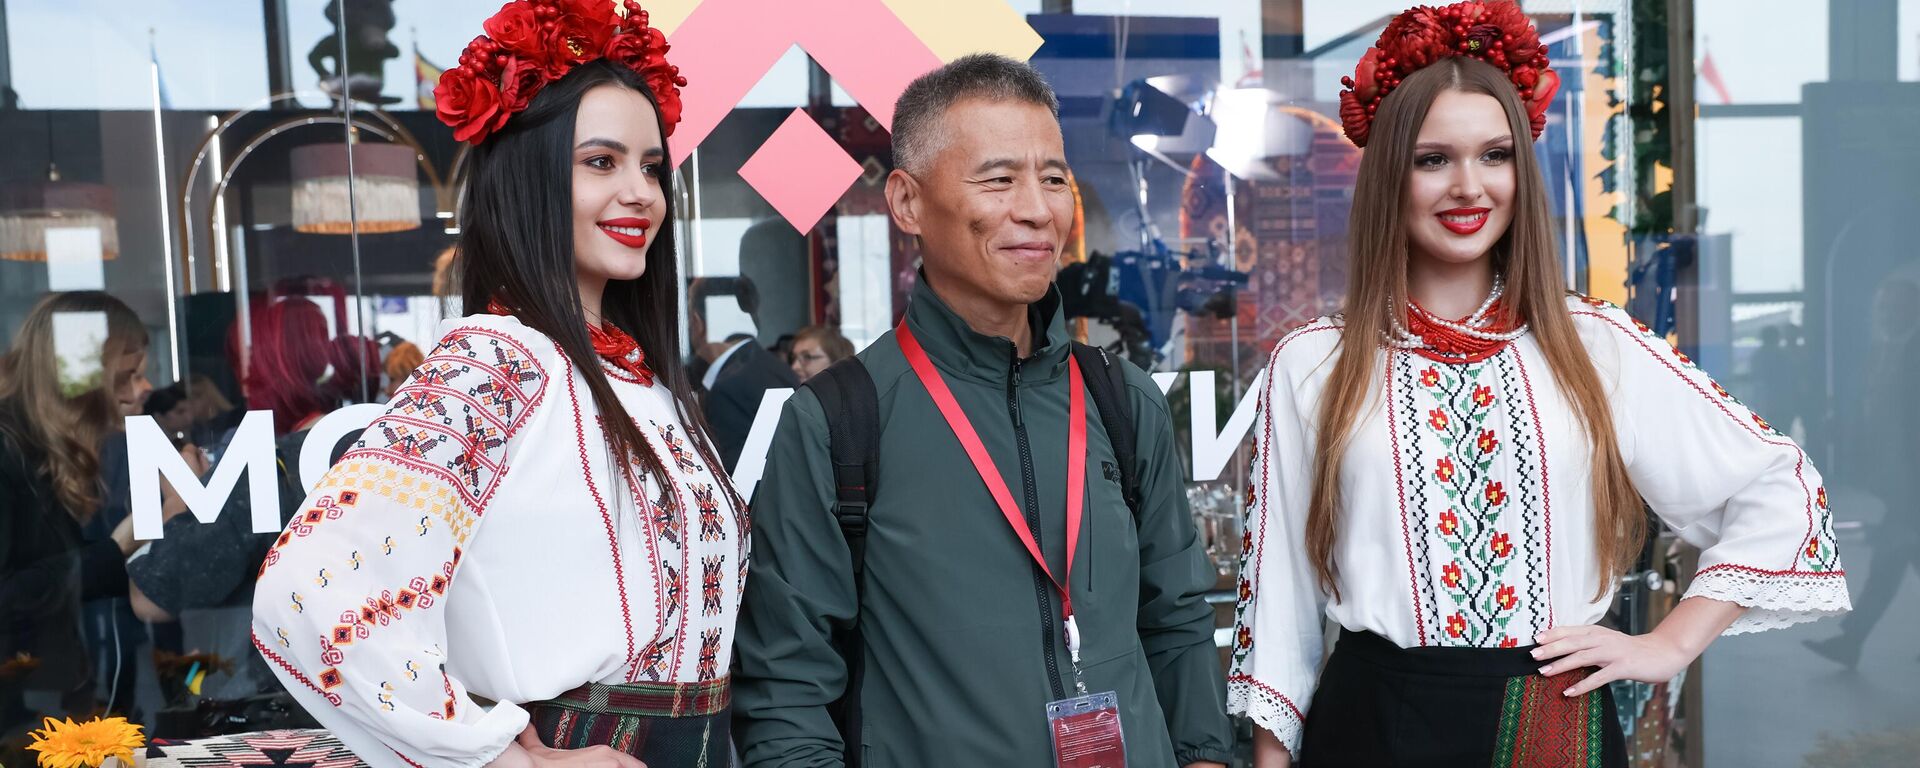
column 728, row 45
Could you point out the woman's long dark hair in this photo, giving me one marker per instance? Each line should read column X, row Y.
column 516, row 245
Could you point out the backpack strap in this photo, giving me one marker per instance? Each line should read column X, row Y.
column 1107, row 381
column 852, row 407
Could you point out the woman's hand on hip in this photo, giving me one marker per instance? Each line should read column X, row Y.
column 1655, row 657
column 1618, row 656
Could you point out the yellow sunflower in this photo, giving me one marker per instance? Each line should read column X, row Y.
column 67, row 744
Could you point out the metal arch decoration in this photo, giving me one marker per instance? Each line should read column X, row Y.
column 386, row 128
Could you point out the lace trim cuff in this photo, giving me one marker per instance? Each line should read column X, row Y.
column 1774, row 599
column 1268, row 709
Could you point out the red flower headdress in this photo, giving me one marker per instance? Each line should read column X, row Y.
column 531, row 43
column 1494, row 32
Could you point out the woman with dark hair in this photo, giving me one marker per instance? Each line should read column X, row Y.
column 1455, row 469
column 538, row 518
column 170, row 410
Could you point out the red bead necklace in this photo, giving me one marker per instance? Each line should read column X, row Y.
column 1446, row 343
column 609, row 342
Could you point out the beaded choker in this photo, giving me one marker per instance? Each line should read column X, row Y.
column 610, row 343
column 1476, row 337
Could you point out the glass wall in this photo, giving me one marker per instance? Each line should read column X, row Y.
column 1809, row 288
column 198, row 194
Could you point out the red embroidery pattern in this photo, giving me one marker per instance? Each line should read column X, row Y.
column 1459, row 419
column 293, row 672
column 613, row 541
column 653, row 660
column 712, row 572
column 710, row 526
column 1444, row 470
column 324, row 508
column 709, row 667
column 389, row 606
column 682, row 456
column 1268, row 689
column 453, row 418
column 1250, row 548
column 1546, row 496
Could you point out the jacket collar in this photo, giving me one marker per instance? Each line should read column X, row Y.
column 959, row 349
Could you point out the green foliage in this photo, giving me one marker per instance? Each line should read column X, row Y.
column 1647, row 113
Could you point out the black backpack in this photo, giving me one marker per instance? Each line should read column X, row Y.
column 852, row 408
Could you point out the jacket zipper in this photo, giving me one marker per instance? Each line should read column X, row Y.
column 1041, row 585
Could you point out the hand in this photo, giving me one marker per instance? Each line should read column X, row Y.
column 1268, row 752
column 1649, row 658
column 527, row 752
column 123, row 537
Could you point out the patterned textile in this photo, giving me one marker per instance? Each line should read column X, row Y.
column 1541, row 727
column 661, row 723
column 294, row 749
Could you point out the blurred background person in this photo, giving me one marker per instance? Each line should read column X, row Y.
column 64, row 629
column 172, row 411
column 735, row 374
column 1889, row 427
column 815, row 347
column 213, row 412
column 200, row 575
column 400, row 362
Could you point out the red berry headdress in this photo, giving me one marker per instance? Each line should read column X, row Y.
column 531, row 43
column 1494, row 32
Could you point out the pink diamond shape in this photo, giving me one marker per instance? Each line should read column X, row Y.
column 800, row 170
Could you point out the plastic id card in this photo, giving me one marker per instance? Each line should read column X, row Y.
column 1086, row 732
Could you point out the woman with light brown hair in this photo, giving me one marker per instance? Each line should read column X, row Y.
column 1454, row 469
column 75, row 371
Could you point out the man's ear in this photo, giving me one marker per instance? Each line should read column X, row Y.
column 904, row 198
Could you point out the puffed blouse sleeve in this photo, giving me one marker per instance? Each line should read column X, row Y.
column 1720, row 476
column 349, row 608
column 1278, row 619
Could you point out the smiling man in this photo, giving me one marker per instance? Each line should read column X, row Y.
column 1007, row 592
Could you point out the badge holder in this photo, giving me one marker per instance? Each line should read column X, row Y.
column 1086, row 728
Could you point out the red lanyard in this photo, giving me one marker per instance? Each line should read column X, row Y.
column 997, row 485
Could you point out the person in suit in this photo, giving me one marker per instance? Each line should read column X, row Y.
column 736, row 380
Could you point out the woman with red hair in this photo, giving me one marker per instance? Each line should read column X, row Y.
column 292, row 362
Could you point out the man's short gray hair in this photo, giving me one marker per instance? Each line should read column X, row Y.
column 917, row 134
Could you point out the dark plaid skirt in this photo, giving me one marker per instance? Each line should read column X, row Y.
column 666, row 725
column 1382, row 705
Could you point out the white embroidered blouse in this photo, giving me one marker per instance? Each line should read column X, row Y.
column 477, row 539
column 1467, row 515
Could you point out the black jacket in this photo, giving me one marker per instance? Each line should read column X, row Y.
column 731, row 405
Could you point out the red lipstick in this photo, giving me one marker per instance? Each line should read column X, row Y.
column 628, row 231
column 1463, row 221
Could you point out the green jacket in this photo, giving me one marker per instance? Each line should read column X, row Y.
column 963, row 641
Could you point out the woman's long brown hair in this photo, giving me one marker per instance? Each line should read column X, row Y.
column 66, row 420
column 1377, row 285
